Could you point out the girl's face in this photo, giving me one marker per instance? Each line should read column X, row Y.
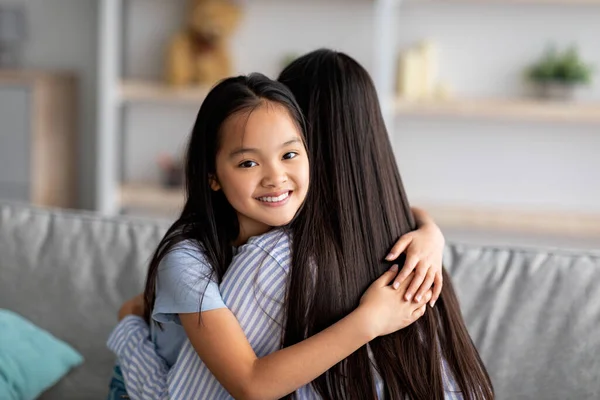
column 262, row 168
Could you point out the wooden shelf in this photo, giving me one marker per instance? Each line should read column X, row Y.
column 159, row 92
column 151, row 198
column 514, row 109
column 559, row 2
column 566, row 224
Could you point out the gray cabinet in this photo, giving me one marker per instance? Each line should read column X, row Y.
column 37, row 138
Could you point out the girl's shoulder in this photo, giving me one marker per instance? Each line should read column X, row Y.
column 184, row 253
column 273, row 245
column 275, row 238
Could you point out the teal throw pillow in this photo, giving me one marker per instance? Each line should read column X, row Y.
column 31, row 359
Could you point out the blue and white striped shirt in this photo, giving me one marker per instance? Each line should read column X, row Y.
column 254, row 290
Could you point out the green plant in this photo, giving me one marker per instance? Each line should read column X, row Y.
column 561, row 67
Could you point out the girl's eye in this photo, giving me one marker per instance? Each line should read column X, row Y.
column 290, row 155
column 247, row 164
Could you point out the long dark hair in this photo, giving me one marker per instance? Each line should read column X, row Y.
column 356, row 209
column 207, row 220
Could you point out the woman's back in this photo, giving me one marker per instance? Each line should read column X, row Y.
column 347, row 228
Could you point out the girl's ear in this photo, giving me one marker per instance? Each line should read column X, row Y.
column 214, row 182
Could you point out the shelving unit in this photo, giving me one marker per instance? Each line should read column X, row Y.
column 511, row 109
column 113, row 196
column 155, row 92
column 151, row 198
column 115, row 94
column 509, row 220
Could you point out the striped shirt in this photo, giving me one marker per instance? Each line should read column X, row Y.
column 254, row 290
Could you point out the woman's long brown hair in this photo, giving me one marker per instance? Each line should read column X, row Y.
column 356, row 209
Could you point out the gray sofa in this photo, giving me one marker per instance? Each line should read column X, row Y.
column 534, row 314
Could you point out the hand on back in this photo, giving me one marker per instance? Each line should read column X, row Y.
column 424, row 249
column 133, row 306
column 385, row 308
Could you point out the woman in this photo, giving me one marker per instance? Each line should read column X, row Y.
column 359, row 209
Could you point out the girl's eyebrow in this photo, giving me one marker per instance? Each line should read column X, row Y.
column 293, row 141
column 241, row 150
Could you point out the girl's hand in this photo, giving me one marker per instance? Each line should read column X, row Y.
column 385, row 307
column 424, row 250
column 134, row 306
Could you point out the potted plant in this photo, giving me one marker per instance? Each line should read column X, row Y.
column 557, row 74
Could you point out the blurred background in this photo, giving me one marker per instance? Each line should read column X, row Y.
column 493, row 106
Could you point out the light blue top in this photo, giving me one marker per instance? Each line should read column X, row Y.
column 184, row 285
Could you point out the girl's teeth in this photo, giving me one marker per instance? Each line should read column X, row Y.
column 275, row 199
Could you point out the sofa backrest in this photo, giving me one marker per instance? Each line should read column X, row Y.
column 69, row 273
column 534, row 314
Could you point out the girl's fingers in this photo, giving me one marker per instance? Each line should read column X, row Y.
column 418, row 313
column 399, row 247
column 387, row 276
column 437, row 288
column 427, row 297
column 409, row 266
column 427, row 284
column 417, row 281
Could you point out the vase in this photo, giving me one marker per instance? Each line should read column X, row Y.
column 556, row 91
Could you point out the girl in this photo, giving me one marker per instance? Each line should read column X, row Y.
column 252, row 174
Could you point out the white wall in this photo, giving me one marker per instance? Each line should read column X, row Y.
column 499, row 163
column 62, row 35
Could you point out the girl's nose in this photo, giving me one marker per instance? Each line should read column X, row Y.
column 275, row 178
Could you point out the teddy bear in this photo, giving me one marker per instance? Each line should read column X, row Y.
column 199, row 53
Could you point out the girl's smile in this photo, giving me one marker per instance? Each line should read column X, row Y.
column 275, row 199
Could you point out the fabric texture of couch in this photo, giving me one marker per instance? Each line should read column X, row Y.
column 534, row 314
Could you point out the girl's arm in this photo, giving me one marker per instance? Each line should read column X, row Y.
column 146, row 375
column 424, row 249
column 221, row 344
